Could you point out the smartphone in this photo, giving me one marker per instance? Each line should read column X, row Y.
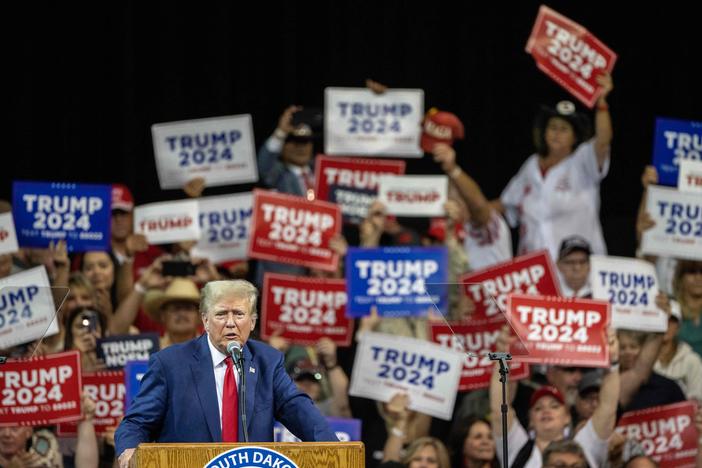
column 89, row 320
column 177, row 268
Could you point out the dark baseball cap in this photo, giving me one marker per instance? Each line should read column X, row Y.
column 573, row 244
column 591, row 381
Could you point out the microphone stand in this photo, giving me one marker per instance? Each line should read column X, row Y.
column 242, row 395
column 502, row 358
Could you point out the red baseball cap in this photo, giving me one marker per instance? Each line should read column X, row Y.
column 440, row 127
column 122, row 198
column 546, row 390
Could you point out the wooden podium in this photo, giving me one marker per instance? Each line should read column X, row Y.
column 304, row 454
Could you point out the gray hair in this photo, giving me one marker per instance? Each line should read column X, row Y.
column 563, row 446
column 215, row 290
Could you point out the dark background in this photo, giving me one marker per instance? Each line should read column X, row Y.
column 87, row 81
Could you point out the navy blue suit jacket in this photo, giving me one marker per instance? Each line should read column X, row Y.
column 177, row 401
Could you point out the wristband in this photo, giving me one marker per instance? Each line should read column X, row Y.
column 397, row 432
column 602, row 106
column 455, row 172
column 614, row 367
column 280, row 134
column 139, row 288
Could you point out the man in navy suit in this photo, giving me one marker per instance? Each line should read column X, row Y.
column 180, row 399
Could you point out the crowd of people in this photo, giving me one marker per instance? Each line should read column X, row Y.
column 558, row 417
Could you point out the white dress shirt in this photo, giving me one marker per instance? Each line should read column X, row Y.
column 220, row 367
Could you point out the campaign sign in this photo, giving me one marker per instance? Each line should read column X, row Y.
column 27, row 310
column 561, row 331
column 47, row 212
column 678, row 224
column 117, row 351
column 690, row 179
column 290, row 229
column 250, row 457
column 41, row 391
column 569, row 54
column 225, row 224
column 133, row 373
column 395, row 279
column 352, row 183
column 675, row 141
column 413, row 195
column 631, row 286
column 8, row 237
column 220, row 149
column 346, row 430
column 666, row 433
column 358, row 121
column 474, row 340
column 167, row 222
column 106, row 389
column 304, row 309
column 390, row 364
column 529, row 274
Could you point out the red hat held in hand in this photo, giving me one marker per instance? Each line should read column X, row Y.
column 440, row 127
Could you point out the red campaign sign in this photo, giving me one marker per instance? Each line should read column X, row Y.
column 569, row 54
column 667, row 433
column 352, row 183
column 305, row 309
column 41, row 391
column 562, row 331
column 477, row 337
column 106, row 389
column 529, row 274
column 290, row 229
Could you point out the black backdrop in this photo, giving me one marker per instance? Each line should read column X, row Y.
column 87, row 81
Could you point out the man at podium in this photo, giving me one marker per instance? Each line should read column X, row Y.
column 191, row 392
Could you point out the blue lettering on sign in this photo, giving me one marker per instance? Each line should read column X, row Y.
column 250, row 457
column 49, row 212
column 201, row 148
column 627, row 289
column 404, row 366
column 681, row 219
column 377, row 118
column 15, row 304
column 674, row 141
column 397, row 281
column 226, row 225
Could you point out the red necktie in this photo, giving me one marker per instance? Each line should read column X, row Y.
column 230, row 406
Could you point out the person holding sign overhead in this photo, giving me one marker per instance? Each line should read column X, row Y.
column 550, row 419
column 191, row 393
column 556, row 192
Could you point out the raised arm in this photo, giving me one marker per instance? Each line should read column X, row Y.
column 478, row 205
column 605, row 416
column 632, row 379
column 603, row 121
column 338, row 380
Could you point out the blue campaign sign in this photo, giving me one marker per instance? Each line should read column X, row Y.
column 347, row 430
column 675, row 140
column 133, row 373
column 399, row 281
column 53, row 211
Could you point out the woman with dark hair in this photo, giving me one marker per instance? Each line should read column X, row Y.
column 472, row 445
column 101, row 269
column 83, row 328
column 555, row 194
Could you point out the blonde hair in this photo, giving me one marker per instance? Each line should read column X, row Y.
column 419, row 444
column 215, row 290
column 680, row 268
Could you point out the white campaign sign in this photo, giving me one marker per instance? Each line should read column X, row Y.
column 167, row 222
column 427, row 372
column 413, row 195
column 27, row 310
column 225, row 226
column 630, row 285
column 360, row 122
column 8, row 237
column 690, row 176
column 220, row 149
column 678, row 229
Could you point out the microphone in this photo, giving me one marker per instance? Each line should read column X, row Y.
column 234, row 350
